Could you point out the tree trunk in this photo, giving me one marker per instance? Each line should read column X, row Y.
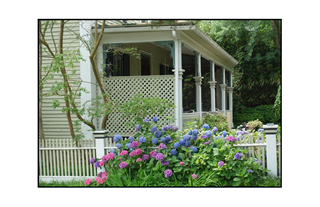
column 65, row 80
column 41, row 132
column 276, row 29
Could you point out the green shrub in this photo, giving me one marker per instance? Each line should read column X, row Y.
column 218, row 120
column 265, row 113
column 255, row 124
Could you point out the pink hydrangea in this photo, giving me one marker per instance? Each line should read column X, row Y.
column 104, row 176
column 101, row 163
column 194, row 176
column 110, row 156
column 162, row 146
column 104, row 158
column 120, row 158
column 123, row 165
column 124, row 153
column 138, row 160
column 231, row 139
column 153, row 154
column 181, row 163
column 137, row 152
column 88, row 182
column 132, row 154
column 100, row 180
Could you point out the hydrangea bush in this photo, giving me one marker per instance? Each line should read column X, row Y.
column 181, row 155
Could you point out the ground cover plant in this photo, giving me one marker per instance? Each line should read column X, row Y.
column 161, row 155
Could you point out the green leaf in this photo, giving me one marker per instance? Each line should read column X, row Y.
column 236, row 179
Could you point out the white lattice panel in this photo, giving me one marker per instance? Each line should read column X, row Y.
column 123, row 88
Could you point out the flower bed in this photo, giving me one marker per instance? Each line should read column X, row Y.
column 184, row 157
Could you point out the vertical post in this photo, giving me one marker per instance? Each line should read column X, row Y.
column 271, row 130
column 100, row 136
column 198, row 79
column 230, row 89
column 212, row 86
column 176, row 82
column 223, row 93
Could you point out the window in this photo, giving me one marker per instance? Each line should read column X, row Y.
column 145, row 65
column 117, row 64
column 144, row 21
column 166, row 69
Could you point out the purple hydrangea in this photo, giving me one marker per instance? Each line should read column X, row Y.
column 145, row 157
column 203, row 137
column 164, row 162
column 154, row 141
column 250, row 170
column 237, row 156
column 176, row 145
column 146, row 120
column 221, row 163
column 97, row 164
column 162, row 139
column 153, row 129
column 194, row 137
column 215, row 129
column 167, row 173
column 123, row 165
column 155, row 119
column 175, row 128
column 160, row 156
column 131, row 139
column 153, row 154
column 162, row 146
column 92, row 160
column 158, row 134
column 182, row 142
column 194, row 176
column 206, row 126
column 165, row 128
column 142, row 140
column 134, row 144
column 186, row 137
column 138, row 127
column 173, row 152
column 170, row 126
column 117, row 138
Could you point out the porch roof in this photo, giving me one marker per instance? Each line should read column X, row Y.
column 191, row 33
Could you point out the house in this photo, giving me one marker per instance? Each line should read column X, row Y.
column 179, row 63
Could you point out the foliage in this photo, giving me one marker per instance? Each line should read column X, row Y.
column 140, row 107
column 252, row 43
column 277, row 104
column 217, row 120
column 264, row 113
column 190, row 160
column 255, row 124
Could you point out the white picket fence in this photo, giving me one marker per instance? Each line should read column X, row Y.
column 59, row 159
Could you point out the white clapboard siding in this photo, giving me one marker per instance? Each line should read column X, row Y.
column 55, row 122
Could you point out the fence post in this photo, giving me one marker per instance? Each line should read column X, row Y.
column 271, row 130
column 100, row 135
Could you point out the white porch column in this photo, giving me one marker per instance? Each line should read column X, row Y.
column 213, row 94
column 223, row 93
column 178, row 80
column 86, row 74
column 198, row 80
column 230, row 89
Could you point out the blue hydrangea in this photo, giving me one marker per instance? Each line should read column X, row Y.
column 206, row 126
column 194, row 137
column 215, row 129
column 128, row 145
column 260, row 130
column 131, row 149
column 153, row 129
column 194, row 149
column 213, row 145
column 115, row 154
column 112, row 150
column 154, row 141
column 165, row 128
column 117, row 138
column 158, row 134
column 208, row 133
column 155, row 119
column 131, row 139
column 173, row 152
column 195, row 131
column 186, row 137
column 138, row 127
column 182, row 142
column 190, row 133
column 146, row 120
column 176, row 145
column 118, row 145
column 187, row 144
column 142, row 140
column 162, row 139
column 224, row 133
column 168, row 139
